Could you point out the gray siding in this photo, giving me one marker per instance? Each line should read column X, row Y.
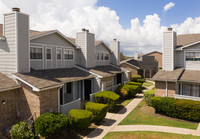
column 81, row 41
column 23, row 42
column 115, row 56
column 179, row 58
column 37, row 64
column 90, row 51
column 8, row 57
column 168, row 50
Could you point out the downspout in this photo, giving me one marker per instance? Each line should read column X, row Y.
column 166, row 89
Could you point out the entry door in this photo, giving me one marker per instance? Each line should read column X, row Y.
column 119, row 78
column 88, row 89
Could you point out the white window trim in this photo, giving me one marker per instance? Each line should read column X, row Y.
column 64, row 54
column 48, row 60
column 42, row 53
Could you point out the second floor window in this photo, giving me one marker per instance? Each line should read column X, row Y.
column 48, row 53
column 68, row 54
column 192, row 56
column 107, row 57
column 35, row 53
column 58, row 54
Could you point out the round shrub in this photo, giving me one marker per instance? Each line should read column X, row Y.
column 127, row 90
column 107, row 97
column 139, row 90
column 49, row 124
column 177, row 108
column 140, row 80
column 135, row 77
column 22, row 130
column 79, row 118
column 148, row 95
column 98, row 111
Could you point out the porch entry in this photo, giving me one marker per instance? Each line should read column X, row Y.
column 119, row 78
column 87, row 89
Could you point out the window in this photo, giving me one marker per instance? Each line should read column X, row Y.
column 48, row 53
column 192, row 56
column 102, row 57
column 35, row 53
column 58, row 54
column 191, row 90
column 107, row 57
column 97, row 56
column 69, row 88
column 68, row 54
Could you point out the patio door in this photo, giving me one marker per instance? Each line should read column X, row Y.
column 88, row 89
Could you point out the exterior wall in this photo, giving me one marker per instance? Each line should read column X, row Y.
column 90, row 50
column 134, row 71
column 160, row 89
column 169, row 41
column 54, row 42
column 81, row 41
column 115, row 56
column 8, row 111
column 158, row 57
column 192, row 65
column 8, row 53
column 179, row 59
column 23, row 43
column 101, row 49
column 108, row 83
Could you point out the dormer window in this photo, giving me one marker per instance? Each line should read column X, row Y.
column 35, row 53
column 192, row 56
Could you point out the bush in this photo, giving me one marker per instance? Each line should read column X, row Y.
column 79, row 118
column 127, row 90
column 107, row 97
column 138, row 84
column 49, row 124
column 135, row 77
column 148, row 95
column 98, row 111
column 177, row 108
column 22, row 130
column 140, row 80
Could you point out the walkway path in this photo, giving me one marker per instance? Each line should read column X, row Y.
column 112, row 120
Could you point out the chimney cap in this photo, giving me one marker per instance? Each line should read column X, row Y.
column 16, row 9
column 87, row 30
column 114, row 39
column 169, row 29
column 83, row 29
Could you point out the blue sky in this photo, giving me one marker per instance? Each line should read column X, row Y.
column 137, row 24
column 129, row 9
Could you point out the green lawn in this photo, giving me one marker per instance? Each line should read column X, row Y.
column 145, row 115
column 147, row 135
column 147, row 84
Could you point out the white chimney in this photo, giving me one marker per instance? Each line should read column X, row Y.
column 85, row 40
column 15, row 56
column 136, row 56
column 169, row 44
column 115, row 47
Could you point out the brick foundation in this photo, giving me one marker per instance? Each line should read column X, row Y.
column 160, row 89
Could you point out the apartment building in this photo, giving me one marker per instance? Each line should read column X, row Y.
column 45, row 71
column 180, row 77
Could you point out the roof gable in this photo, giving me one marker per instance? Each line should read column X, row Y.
column 99, row 44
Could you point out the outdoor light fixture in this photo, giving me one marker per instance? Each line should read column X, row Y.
column 3, row 102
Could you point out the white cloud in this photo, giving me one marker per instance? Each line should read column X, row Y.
column 168, row 6
column 72, row 15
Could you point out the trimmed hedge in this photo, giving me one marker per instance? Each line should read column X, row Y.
column 22, row 130
column 79, row 118
column 140, row 80
column 135, row 77
column 138, row 84
column 177, row 108
column 98, row 111
column 49, row 124
column 107, row 97
column 127, row 90
column 148, row 95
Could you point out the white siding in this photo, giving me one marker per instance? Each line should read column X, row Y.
column 90, row 50
column 23, row 42
column 81, row 41
column 101, row 49
column 8, row 57
column 115, row 56
column 37, row 64
column 168, row 50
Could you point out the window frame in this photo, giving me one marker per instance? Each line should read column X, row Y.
column 106, row 56
column 48, row 47
column 69, row 50
column 193, row 57
column 57, row 54
column 37, row 47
